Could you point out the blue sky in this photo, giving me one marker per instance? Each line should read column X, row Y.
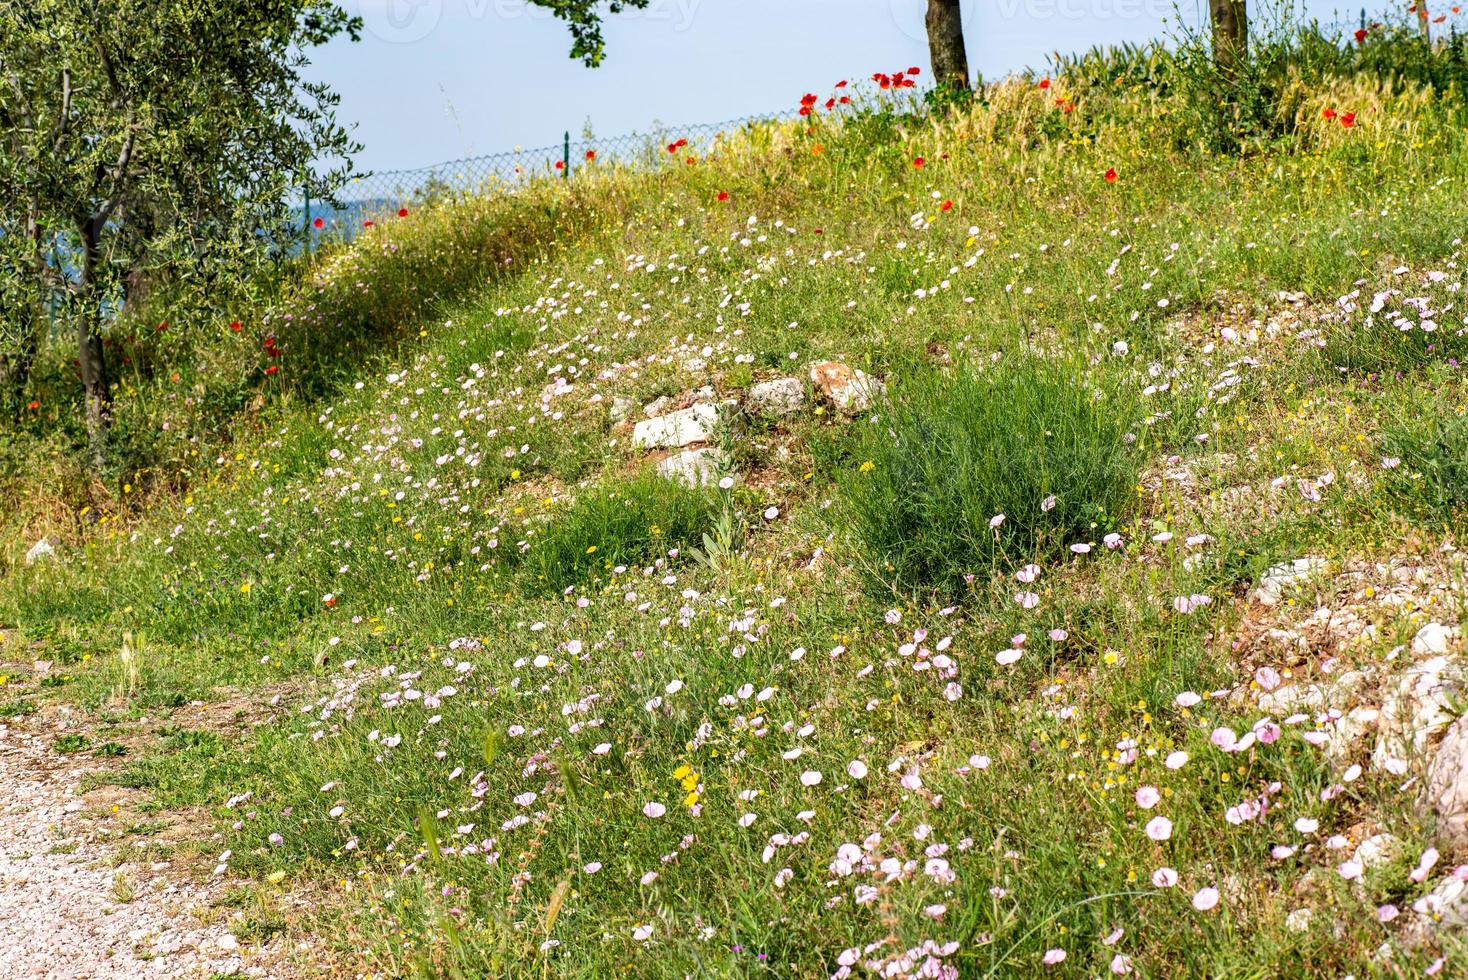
column 434, row 80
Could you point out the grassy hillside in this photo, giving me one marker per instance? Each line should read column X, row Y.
column 973, row 674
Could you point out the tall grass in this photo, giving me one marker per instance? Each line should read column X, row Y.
column 985, row 466
column 640, row 520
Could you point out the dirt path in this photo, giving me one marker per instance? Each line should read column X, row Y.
column 92, row 888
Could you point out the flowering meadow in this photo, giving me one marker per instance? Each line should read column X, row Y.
column 1080, row 633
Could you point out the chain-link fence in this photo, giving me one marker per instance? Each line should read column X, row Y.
column 388, row 191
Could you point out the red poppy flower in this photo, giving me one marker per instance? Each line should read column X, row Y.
column 723, row 196
column 807, row 99
column 1328, row 113
column 1110, row 175
column 34, row 406
column 914, row 71
column 946, row 206
column 319, row 223
column 1360, row 35
column 919, row 162
column 882, row 80
column 1348, row 119
column 845, row 100
column 805, row 110
column 272, row 369
column 162, row 326
column 402, row 212
column 591, row 154
column 1044, row 83
column 841, row 84
column 367, row 223
column 830, row 103
column 560, row 164
column 236, row 326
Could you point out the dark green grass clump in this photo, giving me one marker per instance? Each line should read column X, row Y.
column 1033, row 441
column 627, row 522
column 1427, row 449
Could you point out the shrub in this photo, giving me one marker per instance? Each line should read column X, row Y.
column 1030, row 440
column 627, row 522
column 1430, row 451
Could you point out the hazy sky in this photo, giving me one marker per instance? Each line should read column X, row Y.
column 434, row 80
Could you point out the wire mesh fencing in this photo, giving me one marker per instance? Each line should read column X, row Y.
column 388, row 191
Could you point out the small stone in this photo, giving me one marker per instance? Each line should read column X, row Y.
column 1447, row 784
column 677, row 429
column 657, row 406
column 1421, row 707
column 847, row 388
column 1350, row 730
column 1377, row 850
column 1434, row 639
column 782, row 396
column 1444, row 908
column 1299, row 920
column 704, row 394
column 1279, row 577
column 40, row 551
column 621, row 409
column 227, row 941
column 694, row 467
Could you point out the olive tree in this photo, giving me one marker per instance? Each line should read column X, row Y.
column 151, row 139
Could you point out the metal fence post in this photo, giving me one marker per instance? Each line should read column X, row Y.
column 306, row 218
column 566, row 157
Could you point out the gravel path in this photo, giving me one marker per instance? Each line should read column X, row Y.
column 74, row 902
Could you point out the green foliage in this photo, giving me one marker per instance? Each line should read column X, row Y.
column 70, row 743
column 1428, row 445
column 127, row 170
column 634, row 521
column 1030, row 440
column 583, row 17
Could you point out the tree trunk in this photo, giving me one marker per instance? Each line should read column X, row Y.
column 87, row 310
column 945, row 44
column 1230, row 33
column 1422, row 25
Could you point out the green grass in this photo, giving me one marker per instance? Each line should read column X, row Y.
column 461, row 580
column 1426, row 443
column 638, row 521
column 988, row 468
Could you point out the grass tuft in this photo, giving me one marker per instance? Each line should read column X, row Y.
column 977, row 468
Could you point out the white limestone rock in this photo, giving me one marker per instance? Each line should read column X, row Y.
column 782, row 396
column 694, row 467
column 1447, row 784
column 677, row 429
column 849, row 389
column 1279, row 578
column 40, row 551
